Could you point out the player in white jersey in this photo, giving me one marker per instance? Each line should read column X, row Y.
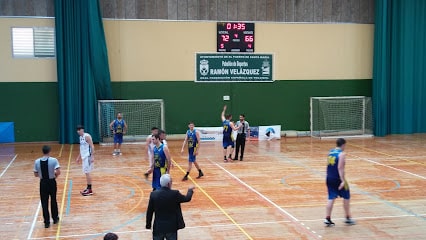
column 87, row 150
column 162, row 137
column 150, row 149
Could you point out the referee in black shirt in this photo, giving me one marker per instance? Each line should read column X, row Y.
column 47, row 169
column 243, row 132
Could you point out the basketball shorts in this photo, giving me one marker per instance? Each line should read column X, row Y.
column 227, row 141
column 191, row 156
column 87, row 164
column 333, row 189
column 118, row 138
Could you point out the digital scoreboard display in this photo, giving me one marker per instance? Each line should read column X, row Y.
column 235, row 37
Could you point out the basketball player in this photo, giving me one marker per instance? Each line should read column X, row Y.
column 193, row 139
column 228, row 141
column 162, row 134
column 118, row 128
column 336, row 182
column 162, row 162
column 150, row 149
column 87, row 150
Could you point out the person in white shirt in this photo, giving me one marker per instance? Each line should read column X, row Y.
column 86, row 156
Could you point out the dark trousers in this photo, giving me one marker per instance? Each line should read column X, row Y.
column 162, row 236
column 241, row 142
column 48, row 189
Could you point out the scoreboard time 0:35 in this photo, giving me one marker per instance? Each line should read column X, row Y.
column 235, row 37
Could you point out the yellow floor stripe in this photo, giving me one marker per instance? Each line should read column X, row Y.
column 213, row 201
column 60, row 151
column 64, row 193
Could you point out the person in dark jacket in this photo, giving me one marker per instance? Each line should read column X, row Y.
column 165, row 203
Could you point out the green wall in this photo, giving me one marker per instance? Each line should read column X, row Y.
column 34, row 106
column 284, row 103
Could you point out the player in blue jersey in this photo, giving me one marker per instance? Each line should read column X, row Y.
column 162, row 162
column 336, row 183
column 118, row 128
column 228, row 139
column 193, row 139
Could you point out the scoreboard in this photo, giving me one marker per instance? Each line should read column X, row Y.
column 235, row 37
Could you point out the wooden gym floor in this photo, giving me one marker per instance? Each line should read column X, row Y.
column 277, row 192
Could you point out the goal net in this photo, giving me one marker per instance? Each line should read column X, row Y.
column 140, row 117
column 341, row 117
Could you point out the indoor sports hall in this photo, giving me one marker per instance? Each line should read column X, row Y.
column 303, row 73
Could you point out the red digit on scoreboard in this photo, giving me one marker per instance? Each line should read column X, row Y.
column 248, row 38
column 228, row 26
column 225, row 38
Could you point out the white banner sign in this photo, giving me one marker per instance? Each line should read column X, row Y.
column 210, row 133
column 264, row 133
column 269, row 132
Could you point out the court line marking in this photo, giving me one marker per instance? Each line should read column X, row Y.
column 60, row 151
column 10, row 163
column 385, row 165
column 92, row 235
column 357, row 189
column 258, row 193
column 294, row 219
column 34, row 220
column 63, row 194
column 389, row 155
column 213, row 201
column 67, row 211
column 114, row 229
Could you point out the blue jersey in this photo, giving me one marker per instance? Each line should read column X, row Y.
column 227, row 130
column 159, row 166
column 333, row 163
column 118, row 126
column 192, row 139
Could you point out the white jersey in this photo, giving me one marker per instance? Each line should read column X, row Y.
column 164, row 142
column 151, row 145
column 85, row 149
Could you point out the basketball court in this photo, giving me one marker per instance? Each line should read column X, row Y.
column 277, row 192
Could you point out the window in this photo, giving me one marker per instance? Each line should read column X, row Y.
column 37, row 42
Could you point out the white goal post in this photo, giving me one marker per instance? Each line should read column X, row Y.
column 140, row 116
column 346, row 116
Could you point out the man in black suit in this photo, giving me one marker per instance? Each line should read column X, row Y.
column 165, row 203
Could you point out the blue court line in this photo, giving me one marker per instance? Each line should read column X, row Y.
column 67, row 211
column 358, row 190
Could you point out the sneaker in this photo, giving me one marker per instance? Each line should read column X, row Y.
column 185, row 178
column 119, row 153
column 86, row 192
column 235, row 158
column 350, row 221
column 229, row 159
column 241, row 158
column 200, row 174
column 114, row 153
column 46, row 225
column 328, row 223
column 56, row 220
